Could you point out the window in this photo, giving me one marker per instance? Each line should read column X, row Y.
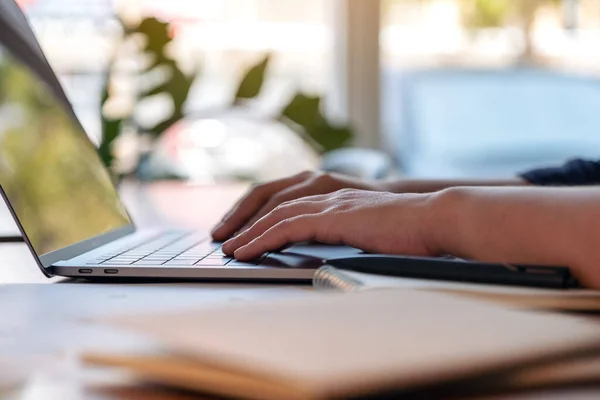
column 490, row 87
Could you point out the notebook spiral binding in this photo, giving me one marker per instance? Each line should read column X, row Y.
column 331, row 278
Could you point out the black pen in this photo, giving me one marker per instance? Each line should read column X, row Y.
column 458, row 270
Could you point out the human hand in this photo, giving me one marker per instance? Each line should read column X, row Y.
column 371, row 221
column 263, row 198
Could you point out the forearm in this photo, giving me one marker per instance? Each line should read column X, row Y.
column 574, row 173
column 547, row 226
column 429, row 186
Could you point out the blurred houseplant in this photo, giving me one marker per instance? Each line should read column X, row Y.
column 175, row 84
column 162, row 76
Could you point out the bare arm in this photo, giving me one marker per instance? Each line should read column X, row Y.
column 433, row 185
column 263, row 198
column 557, row 226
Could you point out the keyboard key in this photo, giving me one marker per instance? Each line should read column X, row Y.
column 241, row 264
column 145, row 262
column 182, row 257
column 217, row 262
column 123, row 262
column 181, row 262
column 111, row 262
column 120, row 258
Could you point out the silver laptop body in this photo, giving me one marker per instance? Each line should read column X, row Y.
column 70, row 214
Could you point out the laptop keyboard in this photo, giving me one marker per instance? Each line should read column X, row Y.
column 171, row 249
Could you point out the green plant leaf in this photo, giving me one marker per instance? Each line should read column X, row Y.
column 111, row 129
column 253, row 80
column 330, row 137
column 156, row 35
column 305, row 112
column 303, row 109
column 176, row 85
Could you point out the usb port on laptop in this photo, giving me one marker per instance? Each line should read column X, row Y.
column 111, row 271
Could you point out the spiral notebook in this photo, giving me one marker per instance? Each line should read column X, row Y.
column 331, row 278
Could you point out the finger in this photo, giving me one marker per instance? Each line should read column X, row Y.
column 292, row 193
column 285, row 211
column 248, row 205
column 305, row 205
column 292, row 230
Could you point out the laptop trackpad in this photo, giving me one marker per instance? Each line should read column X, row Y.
column 307, row 255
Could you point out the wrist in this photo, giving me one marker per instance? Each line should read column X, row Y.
column 442, row 221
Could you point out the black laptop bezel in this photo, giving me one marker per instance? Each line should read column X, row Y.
column 45, row 261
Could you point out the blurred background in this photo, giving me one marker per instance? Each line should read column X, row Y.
column 213, row 91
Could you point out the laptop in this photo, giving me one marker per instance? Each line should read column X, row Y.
column 70, row 214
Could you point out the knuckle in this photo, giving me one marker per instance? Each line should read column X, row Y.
column 287, row 222
column 346, row 192
column 306, row 174
column 282, row 208
column 322, row 178
column 277, row 200
column 256, row 184
column 340, row 208
column 258, row 187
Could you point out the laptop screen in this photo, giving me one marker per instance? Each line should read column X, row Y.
column 50, row 171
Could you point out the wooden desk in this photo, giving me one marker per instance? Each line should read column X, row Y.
column 40, row 329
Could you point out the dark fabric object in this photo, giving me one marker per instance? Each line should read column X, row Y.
column 574, row 173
